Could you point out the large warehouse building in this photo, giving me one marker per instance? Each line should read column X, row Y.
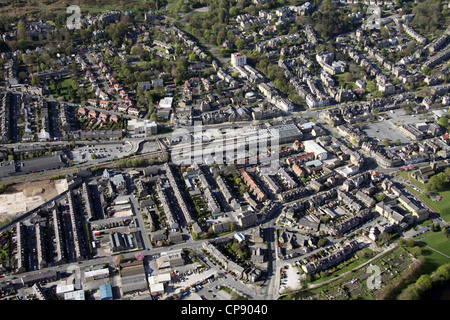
column 319, row 152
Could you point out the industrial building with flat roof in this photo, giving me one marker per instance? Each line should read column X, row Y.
column 39, row 164
column 286, row 133
column 319, row 152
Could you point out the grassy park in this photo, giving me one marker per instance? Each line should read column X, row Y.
column 433, row 259
column 61, row 88
column 441, row 207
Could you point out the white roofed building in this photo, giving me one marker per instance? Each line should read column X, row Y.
column 319, row 152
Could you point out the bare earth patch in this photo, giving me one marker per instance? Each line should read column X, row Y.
column 23, row 197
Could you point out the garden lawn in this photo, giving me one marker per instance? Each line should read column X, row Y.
column 433, row 259
column 442, row 207
column 438, row 241
column 65, row 85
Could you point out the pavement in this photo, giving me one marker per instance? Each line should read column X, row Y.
column 103, row 152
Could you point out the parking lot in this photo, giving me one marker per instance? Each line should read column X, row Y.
column 399, row 117
column 101, row 152
column 389, row 128
column 290, row 278
column 385, row 129
column 148, row 146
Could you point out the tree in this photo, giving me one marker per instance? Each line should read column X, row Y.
column 398, row 142
column 230, row 169
column 239, row 43
column 139, row 256
column 116, row 260
column 438, row 182
column 410, row 293
column 410, row 242
column 443, row 121
column 384, row 237
column 35, row 79
column 137, row 50
column 371, row 86
column 321, row 242
column 378, row 94
column 443, row 272
column 386, row 142
column 348, row 77
column 416, row 251
column 424, row 283
column 426, row 70
column 21, row 30
column 193, row 57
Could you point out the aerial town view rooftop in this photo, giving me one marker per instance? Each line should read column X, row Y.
column 224, row 150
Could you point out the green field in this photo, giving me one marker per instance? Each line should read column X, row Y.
column 438, row 241
column 350, row 84
column 63, row 92
column 442, row 207
column 433, row 259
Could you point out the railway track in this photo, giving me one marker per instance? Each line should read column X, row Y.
column 73, row 169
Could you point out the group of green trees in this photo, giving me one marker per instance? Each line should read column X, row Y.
column 238, row 251
column 429, row 16
column 439, row 182
column 443, row 121
column 329, row 21
column 276, row 74
column 425, row 283
column 231, row 175
column 137, row 162
column 211, row 26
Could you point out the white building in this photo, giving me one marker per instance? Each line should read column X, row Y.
column 74, row 295
column 62, row 289
column 238, row 60
column 156, row 283
column 285, row 104
column 142, row 126
column 319, row 152
column 166, row 102
column 239, row 237
column 348, row 171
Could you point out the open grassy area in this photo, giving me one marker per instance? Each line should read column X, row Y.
column 442, row 207
column 433, row 259
column 438, row 241
column 348, row 84
column 64, row 84
column 174, row 6
column 407, row 175
column 29, row 8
